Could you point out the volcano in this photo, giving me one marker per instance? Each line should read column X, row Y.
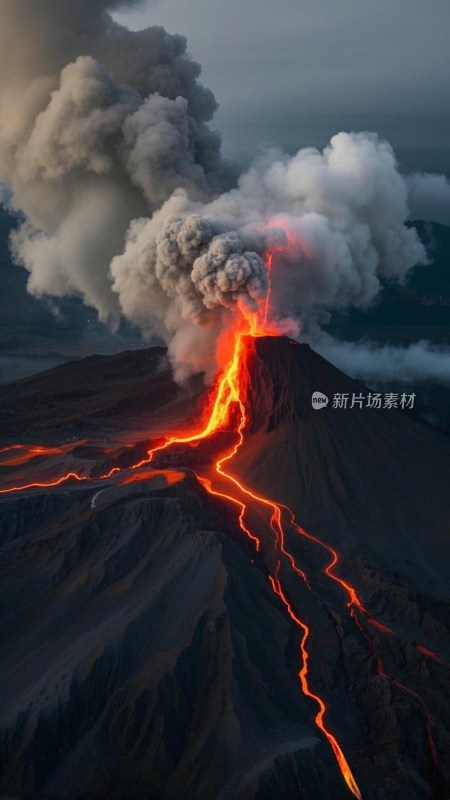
column 259, row 613
column 372, row 481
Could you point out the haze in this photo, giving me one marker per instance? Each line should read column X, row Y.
column 294, row 72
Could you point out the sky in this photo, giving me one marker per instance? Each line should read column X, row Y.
column 294, row 72
column 100, row 153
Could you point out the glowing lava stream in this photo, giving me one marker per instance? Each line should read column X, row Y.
column 30, row 451
column 226, row 405
column 382, row 673
column 58, row 481
column 227, row 398
column 303, row 672
column 228, row 412
column 354, row 603
column 303, row 676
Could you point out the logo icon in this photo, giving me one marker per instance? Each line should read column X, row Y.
column 319, row 400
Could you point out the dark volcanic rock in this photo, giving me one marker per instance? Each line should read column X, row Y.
column 372, row 481
column 98, row 392
column 138, row 663
column 144, row 654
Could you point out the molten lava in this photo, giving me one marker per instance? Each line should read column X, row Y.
column 171, row 476
column 30, row 451
column 227, row 411
column 304, row 681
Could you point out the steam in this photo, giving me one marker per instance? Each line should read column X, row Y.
column 421, row 361
column 107, row 152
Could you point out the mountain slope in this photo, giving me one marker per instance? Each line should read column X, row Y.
column 373, row 481
column 138, row 662
column 145, row 654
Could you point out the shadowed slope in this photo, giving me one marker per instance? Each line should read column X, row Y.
column 145, row 655
column 372, row 481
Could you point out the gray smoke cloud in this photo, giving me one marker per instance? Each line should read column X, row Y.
column 421, row 361
column 98, row 126
column 183, row 277
column 107, row 152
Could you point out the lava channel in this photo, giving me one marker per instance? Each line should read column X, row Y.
column 227, row 412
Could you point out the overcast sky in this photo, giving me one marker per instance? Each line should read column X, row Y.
column 293, row 72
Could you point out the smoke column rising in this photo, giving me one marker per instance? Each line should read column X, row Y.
column 106, row 147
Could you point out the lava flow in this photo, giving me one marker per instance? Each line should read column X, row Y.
column 228, row 412
column 26, row 452
column 303, row 675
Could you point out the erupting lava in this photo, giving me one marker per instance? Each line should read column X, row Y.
column 228, row 412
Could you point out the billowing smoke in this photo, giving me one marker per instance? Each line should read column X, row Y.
column 180, row 277
column 107, row 152
column 421, row 361
column 98, row 126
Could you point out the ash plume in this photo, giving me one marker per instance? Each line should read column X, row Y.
column 420, row 361
column 98, row 126
column 107, row 151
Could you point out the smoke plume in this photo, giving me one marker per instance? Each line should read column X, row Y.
column 421, row 361
column 107, row 151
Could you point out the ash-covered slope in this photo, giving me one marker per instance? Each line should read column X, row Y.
column 95, row 393
column 144, row 654
column 372, row 481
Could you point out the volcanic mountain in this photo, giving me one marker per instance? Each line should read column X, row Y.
column 158, row 642
column 371, row 481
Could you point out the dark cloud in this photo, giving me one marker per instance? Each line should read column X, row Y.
column 296, row 71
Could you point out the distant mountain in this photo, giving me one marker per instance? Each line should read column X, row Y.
column 144, row 652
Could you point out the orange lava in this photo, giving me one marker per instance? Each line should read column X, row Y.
column 268, row 258
column 228, row 406
column 401, row 686
column 206, row 483
column 12, row 447
column 46, row 484
column 227, row 412
column 171, row 476
column 76, row 476
column 33, row 451
column 429, row 653
column 303, row 675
